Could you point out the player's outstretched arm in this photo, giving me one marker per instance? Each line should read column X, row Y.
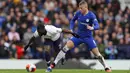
column 66, row 31
column 70, row 32
column 29, row 43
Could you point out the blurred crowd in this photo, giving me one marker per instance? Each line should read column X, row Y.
column 19, row 19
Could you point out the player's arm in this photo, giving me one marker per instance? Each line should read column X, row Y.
column 63, row 30
column 66, row 31
column 72, row 22
column 70, row 32
column 95, row 23
column 29, row 43
column 35, row 35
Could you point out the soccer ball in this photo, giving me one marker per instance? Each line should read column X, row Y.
column 30, row 67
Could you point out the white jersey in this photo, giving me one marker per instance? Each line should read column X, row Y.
column 53, row 32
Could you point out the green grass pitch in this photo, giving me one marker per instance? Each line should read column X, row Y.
column 64, row 71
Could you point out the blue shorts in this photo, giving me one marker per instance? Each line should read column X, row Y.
column 90, row 42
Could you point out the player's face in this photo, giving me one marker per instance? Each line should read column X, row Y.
column 83, row 8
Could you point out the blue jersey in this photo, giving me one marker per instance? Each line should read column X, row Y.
column 84, row 20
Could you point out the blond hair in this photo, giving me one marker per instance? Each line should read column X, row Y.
column 83, row 2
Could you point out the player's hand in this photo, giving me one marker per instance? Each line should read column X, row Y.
column 90, row 27
column 75, row 35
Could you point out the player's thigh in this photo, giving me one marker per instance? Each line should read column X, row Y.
column 73, row 42
column 90, row 42
column 48, row 45
column 92, row 46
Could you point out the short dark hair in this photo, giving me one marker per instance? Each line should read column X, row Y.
column 82, row 2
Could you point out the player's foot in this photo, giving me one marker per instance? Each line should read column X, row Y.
column 52, row 65
column 49, row 69
column 107, row 69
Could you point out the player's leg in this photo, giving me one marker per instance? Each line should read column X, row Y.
column 101, row 59
column 57, row 45
column 60, row 55
column 63, row 51
column 47, row 55
column 73, row 42
column 69, row 45
column 47, row 58
column 92, row 46
column 47, row 49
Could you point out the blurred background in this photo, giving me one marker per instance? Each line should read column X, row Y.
column 19, row 18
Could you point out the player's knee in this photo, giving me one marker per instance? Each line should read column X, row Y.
column 70, row 44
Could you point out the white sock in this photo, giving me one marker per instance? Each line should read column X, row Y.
column 102, row 61
column 50, row 67
column 61, row 54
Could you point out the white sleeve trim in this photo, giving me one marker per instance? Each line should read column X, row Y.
column 36, row 34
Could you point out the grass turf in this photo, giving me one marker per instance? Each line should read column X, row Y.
column 64, row 71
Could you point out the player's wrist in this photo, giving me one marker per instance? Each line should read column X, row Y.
column 92, row 28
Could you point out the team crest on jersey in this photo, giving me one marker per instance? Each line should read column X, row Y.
column 87, row 20
column 95, row 19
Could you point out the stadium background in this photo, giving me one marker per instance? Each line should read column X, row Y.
column 19, row 18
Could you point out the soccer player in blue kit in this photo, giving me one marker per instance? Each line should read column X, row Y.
column 87, row 22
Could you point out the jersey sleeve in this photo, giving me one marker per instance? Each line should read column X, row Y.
column 53, row 29
column 58, row 30
column 95, row 22
column 72, row 22
column 35, row 34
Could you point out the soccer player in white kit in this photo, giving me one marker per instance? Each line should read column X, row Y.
column 49, row 32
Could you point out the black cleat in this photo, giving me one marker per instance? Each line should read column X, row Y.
column 108, row 69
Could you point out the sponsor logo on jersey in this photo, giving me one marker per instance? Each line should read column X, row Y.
column 83, row 23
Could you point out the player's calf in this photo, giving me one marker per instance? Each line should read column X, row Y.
column 102, row 61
